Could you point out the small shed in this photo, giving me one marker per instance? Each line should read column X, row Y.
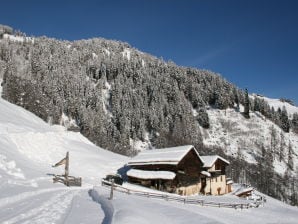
column 246, row 192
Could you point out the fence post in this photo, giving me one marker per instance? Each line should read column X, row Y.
column 184, row 200
column 112, row 189
column 202, row 202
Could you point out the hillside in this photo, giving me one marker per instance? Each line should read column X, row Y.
column 28, row 148
column 125, row 100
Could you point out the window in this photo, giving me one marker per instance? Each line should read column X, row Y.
column 217, row 166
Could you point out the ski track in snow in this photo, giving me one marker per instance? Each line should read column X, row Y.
column 53, row 206
column 105, row 204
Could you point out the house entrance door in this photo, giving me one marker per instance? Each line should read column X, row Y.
column 203, row 185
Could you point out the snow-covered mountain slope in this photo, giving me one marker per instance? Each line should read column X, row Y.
column 28, row 149
column 277, row 103
column 237, row 135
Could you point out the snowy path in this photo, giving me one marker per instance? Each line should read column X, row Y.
column 57, row 205
column 45, row 206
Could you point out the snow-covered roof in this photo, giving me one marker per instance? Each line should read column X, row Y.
column 244, row 191
column 210, row 160
column 230, row 182
column 171, row 156
column 145, row 174
column 206, row 173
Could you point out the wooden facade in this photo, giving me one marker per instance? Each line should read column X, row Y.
column 191, row 176
column 216, row 184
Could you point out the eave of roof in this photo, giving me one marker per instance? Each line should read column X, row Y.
column 210, row 160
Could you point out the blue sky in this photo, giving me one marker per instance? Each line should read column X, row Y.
column 253, row 44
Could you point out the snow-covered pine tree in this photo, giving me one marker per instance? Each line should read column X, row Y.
column 294, row 123
column 246, row 105
column 284, row 119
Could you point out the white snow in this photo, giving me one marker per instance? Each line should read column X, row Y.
column 139, row 145
column 126, row 54
column 241, row 137
column 94, row 55
column 145, row 174
column 243, row 190
column 230, row 182
column 28, row 148
column 161, row 156
column 276, row 103
column 67, row 122
column 127, row 209
column 107, row 52
column 210, row 160
column 106, row 93
column 206, row 173
column 18, row 38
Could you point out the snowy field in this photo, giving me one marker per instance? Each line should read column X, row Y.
column 28, row 149
column 127, row 209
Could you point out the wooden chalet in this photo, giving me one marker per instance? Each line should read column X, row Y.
column 178, row 170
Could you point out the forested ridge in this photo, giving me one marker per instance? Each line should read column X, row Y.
column 114, row 92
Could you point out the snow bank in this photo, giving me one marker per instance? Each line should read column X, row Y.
column 144, row 174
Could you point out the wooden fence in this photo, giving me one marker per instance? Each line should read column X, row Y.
column 182, row 199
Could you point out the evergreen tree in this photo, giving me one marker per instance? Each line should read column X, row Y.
column 236, row 99
column 290, row 157
column 282, row 146
column 246, row 105
column 284, row 120
column 273, row 142
column 294, row 123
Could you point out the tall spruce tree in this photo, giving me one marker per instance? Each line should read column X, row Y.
column 284, row 120
column 246, row 105
column 294, row 123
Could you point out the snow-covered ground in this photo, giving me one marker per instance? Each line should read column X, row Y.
column 276, row 103
column 16, row 38
column 127, row 209
column 28, row 149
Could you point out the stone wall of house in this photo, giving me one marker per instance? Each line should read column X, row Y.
column 216, row 185
column 189, row 190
